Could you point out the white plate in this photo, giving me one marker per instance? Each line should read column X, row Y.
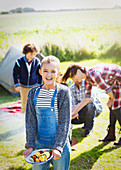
column 27, row 159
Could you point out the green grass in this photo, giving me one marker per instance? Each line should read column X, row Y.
column 6, row 97
column 95, row 31
column 90, row 153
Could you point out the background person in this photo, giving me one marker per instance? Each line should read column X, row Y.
column 108, row 78
column 87, row 114
column 26, row 73
column 48, row 117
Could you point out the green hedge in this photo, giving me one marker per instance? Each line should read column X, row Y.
column 66, row 54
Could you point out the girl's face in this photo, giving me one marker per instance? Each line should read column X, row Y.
column 77, row 78
column 49, row 74
column 30, row 56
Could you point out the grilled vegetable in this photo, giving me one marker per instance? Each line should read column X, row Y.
column 41, row 156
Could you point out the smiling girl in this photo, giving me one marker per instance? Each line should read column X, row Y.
column 48, row 117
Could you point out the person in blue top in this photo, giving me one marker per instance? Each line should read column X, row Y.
column 48, row 117
column 26, row 72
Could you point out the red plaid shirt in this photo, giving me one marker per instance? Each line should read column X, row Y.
column 107, row 77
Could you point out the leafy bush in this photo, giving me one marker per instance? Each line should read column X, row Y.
column 66, row 54
column 112, row 53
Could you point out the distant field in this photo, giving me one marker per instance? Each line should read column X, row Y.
column 95, row 30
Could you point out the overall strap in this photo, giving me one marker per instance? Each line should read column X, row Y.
column 53, row 98
column 36, row 95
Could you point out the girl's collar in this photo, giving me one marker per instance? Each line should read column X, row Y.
column 43, row 87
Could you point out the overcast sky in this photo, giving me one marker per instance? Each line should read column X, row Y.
column 6, row 5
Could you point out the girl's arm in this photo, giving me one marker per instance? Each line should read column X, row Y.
column 56, row 154
column 64, row 118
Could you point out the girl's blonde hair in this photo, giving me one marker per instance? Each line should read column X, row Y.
column 49, row 59
column 72, row 70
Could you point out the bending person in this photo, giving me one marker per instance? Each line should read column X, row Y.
column 87, row 114
column 108, row 78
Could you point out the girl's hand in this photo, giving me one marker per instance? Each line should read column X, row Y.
column 110, row 102
column 56, row 154
column 27, row 152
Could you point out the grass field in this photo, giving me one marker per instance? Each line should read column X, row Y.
column 96, row 31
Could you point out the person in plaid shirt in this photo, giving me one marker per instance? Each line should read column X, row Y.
column 108, row 78
column 87, row 113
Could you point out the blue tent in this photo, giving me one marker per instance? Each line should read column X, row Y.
column 6, row 70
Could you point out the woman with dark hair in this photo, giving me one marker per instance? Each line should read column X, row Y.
column 108, row 78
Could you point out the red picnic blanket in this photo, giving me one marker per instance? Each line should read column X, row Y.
column 14, row 107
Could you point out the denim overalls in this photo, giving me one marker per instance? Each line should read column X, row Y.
column 46, row 135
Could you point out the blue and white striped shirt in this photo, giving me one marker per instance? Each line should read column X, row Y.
column 44, row 100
